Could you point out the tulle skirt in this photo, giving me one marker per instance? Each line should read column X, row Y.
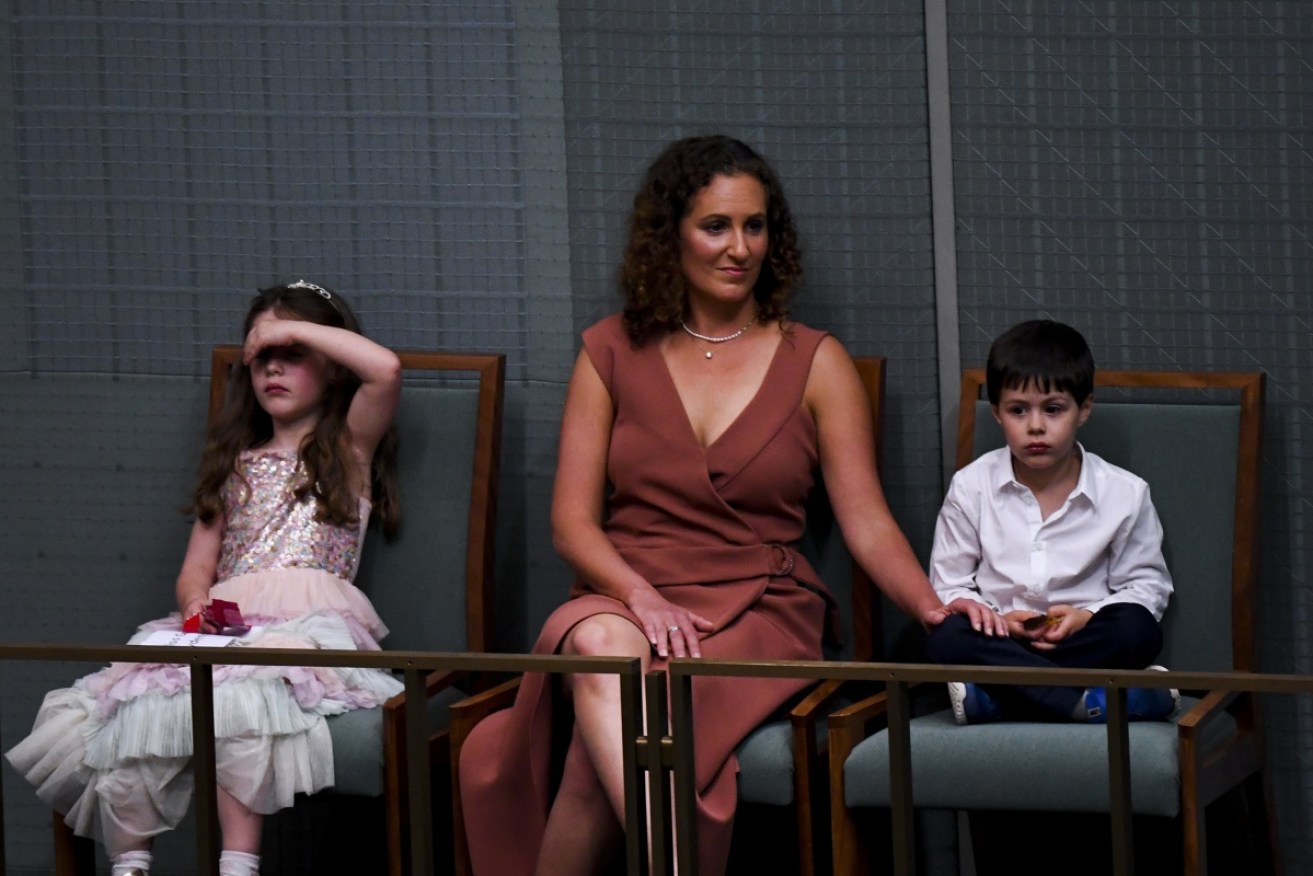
column 113, row 752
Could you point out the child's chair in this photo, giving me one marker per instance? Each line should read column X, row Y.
column 781, row 763
column 433, row 584
column 1199, row 450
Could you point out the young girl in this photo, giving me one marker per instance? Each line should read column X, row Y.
column 303, row 450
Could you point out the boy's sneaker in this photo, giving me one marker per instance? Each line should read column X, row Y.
column 1142, row 703
column 971, row 705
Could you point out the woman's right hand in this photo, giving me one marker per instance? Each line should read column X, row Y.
column 672, row 630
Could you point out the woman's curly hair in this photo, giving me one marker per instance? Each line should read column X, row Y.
column 654, row 288
column 243, row 425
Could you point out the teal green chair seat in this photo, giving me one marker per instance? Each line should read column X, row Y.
column 948, row 772
column 766, row 769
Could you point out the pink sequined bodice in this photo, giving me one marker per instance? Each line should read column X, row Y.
column 266, row 528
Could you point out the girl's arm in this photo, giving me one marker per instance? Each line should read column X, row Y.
column 577, row 504
column 841, row 410
column 377, row 367
column 199, row 566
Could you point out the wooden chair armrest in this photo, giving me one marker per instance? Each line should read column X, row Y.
column 1208, row 710
column 820, row 696
column 437, row 680
column 808, row 771
column 1212, row 762
column 859, row 714
column 470, row 711
column 847, row 727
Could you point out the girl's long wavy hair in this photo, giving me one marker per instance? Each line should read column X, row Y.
column 324, row 453
column 654, row 288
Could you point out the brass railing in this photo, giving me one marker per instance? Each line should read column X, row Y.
column 414, row 666
column 897, row 679
column 655, row 751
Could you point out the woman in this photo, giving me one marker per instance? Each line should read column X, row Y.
column 693, row 425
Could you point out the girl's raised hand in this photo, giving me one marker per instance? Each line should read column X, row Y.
column 266, row 333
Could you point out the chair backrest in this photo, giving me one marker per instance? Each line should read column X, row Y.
column 432, row 585
column 823, row 542
column 1195, row 438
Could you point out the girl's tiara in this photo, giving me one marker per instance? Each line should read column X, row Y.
column 302, row 284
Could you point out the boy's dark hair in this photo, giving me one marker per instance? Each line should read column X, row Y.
column 1048, row 355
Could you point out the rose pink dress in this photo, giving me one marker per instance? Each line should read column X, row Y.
column 113, row 751
column 716, row 530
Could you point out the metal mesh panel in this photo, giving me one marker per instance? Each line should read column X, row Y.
column 834, row 96
column 1143, row 172
column 174, row 157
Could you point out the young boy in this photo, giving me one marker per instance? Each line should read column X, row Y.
column 1061, row 548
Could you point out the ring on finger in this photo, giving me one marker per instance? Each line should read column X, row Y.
column 672, row 629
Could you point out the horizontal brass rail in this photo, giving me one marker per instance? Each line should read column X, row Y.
column 414, row 665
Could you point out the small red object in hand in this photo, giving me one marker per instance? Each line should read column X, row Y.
column 223, row 615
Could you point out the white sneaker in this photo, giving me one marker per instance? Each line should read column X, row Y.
column 1176, row 694
column 957, row 694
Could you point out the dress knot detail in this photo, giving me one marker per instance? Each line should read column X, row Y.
column 781, row 559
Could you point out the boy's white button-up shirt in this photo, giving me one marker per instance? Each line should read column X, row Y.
column 1104, row 545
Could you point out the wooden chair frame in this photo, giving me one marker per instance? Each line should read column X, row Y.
column 809, row 770
column 74, row 856
column 1207, row 770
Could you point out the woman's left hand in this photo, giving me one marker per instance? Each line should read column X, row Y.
column 983, row 618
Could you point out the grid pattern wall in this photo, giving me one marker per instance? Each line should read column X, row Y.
column 164, row 160
column 833, row 94
column 173, row 157
column 1145, row 172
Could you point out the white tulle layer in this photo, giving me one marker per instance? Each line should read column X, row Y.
column 113, row 751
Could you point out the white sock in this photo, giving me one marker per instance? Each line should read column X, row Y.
column 126, row 861
column 239, row 864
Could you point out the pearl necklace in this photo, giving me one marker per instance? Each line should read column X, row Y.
column 714, row 340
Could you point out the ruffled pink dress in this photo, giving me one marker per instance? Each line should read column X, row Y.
column 113, row 752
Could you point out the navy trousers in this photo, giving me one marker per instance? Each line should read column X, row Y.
column 1119, row 636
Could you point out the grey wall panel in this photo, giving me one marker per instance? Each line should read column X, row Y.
column 1143, row 172
column 834, row 96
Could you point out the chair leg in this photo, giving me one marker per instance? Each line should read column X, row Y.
column 805, row 800
column 74, row 855
column 1263, row 826
column 848, row 845
column 1194, row 837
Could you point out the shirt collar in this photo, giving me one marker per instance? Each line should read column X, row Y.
column 1003, row 478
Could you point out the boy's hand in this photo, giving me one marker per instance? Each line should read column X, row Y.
column 1070, row 620
column 1029, row 626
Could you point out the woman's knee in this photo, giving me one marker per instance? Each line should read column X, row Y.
column 605, row 635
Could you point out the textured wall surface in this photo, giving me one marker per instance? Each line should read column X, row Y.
column 1145, row 173
column 462, row 171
